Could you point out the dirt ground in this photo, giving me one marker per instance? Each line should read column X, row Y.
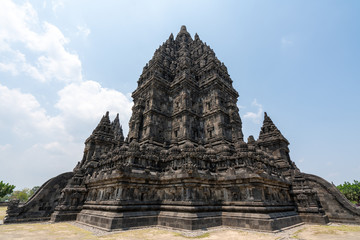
column 2, row 213
column 72, row 230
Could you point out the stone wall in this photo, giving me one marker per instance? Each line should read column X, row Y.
column 41, row 205
column 334, row 203
column 188, row 200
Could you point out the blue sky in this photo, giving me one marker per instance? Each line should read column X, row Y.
column 64, row 63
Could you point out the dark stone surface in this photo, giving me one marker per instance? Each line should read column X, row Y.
column 185, row 164
column 336, row 206
column 41, row 205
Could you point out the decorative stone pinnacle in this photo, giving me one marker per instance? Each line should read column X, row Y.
column 269, row 131
column 183, row 35
column 196, row 37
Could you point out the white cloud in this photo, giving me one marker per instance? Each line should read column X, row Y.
column 21, row 31
column 23, row 114
column 255, row 116
column 79, row 104
column 240, row 106
column 33, row 165
column 83, row 31
column 5, row 147
column 88, row 101
column 32, row 138
column 49, row 144
column 52, row 148
column 286, row 42
column 57, row 4
column 9, row 67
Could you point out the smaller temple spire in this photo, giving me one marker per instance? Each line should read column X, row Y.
column 196, row 37
column 105, row 121
column 116, row 118
column 117, row 128
column 269, row 132
column 101, row 138
column 103, row 129
column 271, row 139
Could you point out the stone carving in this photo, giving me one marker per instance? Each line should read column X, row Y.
column 42, row 204
column 184, row 163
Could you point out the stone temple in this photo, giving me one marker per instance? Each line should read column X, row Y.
column 184, row 163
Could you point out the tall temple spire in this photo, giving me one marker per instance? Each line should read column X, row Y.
column 183, row 35
column 185, row 94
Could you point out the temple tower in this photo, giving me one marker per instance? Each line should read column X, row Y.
column 272, row 141
column 105, row 137
column 184, row 163
column 185, row 94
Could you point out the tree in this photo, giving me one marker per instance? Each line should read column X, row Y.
column 33, row 190
column 351, row 191
column 22, row 195
column 5, row 189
